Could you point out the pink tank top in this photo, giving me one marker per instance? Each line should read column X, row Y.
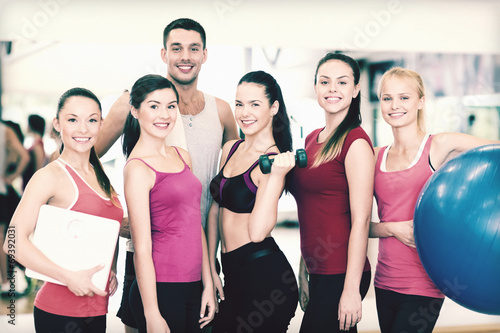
column 58, row 299
column 399, row 268
column 176, row 225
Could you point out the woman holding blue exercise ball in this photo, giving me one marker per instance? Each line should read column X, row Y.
column 334, row 198
column 407, row 299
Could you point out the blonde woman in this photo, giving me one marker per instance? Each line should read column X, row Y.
column 407, row 299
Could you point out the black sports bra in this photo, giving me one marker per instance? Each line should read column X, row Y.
column 235, row 193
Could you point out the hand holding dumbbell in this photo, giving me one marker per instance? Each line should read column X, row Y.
column 300, row 160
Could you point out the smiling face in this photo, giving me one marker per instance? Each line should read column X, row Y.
column 157, row 113
column 184, row 54
column 79, row 123
column 400, row 102
column 335, row 87
column 252, row 110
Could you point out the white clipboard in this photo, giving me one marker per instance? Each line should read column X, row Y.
column 75, row 241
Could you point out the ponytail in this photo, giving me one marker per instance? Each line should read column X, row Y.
column 131, row 133
column 102, row 178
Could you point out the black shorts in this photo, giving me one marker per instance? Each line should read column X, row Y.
column 406, row 313
column 46, row 322
column 124, row 311
column 179, row 304
column 260, row 290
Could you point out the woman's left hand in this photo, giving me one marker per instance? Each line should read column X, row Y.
column 207, row 311
column 113, row 283
column 349, row 310
column 9, row 179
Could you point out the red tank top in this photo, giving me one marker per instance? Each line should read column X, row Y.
column 322, row 196
column 58, row 299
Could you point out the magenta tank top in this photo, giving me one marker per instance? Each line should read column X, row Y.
column 399, row 268
column 176, row 225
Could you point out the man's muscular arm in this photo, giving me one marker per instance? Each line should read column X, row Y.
column 112, row 127
column 228, row 123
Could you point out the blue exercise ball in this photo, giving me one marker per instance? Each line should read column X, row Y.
column 457, row 229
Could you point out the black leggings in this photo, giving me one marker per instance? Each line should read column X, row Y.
column 260, row 290
column 401, row 313
column 324, row 296
column 179, row 304
column 46, row 322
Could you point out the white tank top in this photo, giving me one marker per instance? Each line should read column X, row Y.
column 204, row 140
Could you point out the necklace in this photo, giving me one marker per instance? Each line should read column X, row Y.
column 269, row 148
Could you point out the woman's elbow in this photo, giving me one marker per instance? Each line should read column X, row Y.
column 8, row 244
column 256, row 236
column 363, row 223
column 5, row 246
column 372, row 231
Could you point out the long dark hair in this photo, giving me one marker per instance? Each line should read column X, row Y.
column 140, row 90
column 36, row 124
column 281, row 122
column 333, row 145
column 102, row 178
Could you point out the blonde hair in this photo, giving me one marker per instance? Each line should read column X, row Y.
column 415, row 80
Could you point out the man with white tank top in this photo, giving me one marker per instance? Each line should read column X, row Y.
column 184, row 51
